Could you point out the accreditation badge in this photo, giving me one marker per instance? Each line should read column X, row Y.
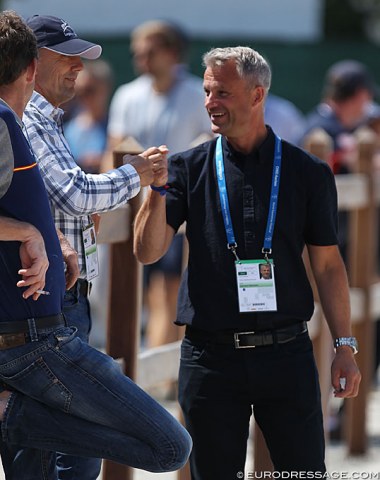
column 90, row 251
column 256, row 285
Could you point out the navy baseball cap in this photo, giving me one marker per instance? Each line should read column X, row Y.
column 55, row 34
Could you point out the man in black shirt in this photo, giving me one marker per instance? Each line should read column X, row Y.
column 249, row 198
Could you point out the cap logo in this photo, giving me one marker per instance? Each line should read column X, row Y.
column 67, row 30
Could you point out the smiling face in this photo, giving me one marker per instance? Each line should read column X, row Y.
column 56, row 76
column 230, row 101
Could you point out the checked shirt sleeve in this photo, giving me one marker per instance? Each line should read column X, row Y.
column 70, row 189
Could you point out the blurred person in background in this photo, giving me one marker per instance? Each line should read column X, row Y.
column 86, row 131
column 164, row 104
column 284, row 117
column 86, row 134
column 348, row 90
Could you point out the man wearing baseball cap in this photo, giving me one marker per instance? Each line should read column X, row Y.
column 74, row 195
column 58, row 36
column 57, row 393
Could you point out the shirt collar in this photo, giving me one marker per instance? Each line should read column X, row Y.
column 258, row 155
column 45, row 107
column 18, row 119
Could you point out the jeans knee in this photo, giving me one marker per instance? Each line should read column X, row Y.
column 180, row 450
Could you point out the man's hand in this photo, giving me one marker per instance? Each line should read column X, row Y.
column 148, row 164
column 34, row 263
column 330, row 275
column 70, row 258
column 160, row 165
column 345, row 374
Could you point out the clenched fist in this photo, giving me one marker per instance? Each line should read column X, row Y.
column 151, row 165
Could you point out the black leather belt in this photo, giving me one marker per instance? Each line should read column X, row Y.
column 82, row 286
column 13, row 334
column 249, row 339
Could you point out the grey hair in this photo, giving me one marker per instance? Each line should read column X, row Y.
column 250, row 65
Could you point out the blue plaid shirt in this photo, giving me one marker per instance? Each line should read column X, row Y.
column 73, row 194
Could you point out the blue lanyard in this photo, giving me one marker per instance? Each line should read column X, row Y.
column 223, row 195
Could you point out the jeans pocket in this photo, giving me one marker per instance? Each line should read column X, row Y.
column 38, row 381
column 64, row 335
column 70, row 299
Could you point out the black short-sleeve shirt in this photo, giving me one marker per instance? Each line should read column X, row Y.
column 306, row 213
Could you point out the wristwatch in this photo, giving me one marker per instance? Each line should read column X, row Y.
column 347, row 341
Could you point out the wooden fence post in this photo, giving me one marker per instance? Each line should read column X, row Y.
column 319, row 143
column 123, row 326
column 362, row 261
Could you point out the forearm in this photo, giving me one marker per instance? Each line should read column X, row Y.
column 335, row 300
column 15, row 230
column 77, row 194
column 70, row 258
column 152, row 235
column 33, row 258
column 69, row 188
column 331, row 279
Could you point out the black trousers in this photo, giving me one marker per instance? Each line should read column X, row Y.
column 220, row 387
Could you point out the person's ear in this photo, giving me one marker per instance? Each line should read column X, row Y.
column 31, row 71
column 258, row 95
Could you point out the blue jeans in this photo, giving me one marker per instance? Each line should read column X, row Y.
column 71, row 398
column 76, row 308
column 51, row 464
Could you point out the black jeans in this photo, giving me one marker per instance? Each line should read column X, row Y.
column 220, row 386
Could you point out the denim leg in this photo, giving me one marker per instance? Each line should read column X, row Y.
column 41, row 464
column 77, row 313
column 78, row 401
column 71, row 467
column 76, row 309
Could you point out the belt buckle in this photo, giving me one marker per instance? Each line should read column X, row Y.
column 10, row 340
column 237, row 340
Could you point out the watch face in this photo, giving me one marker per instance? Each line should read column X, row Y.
column 354, row 345
column 347, row 341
